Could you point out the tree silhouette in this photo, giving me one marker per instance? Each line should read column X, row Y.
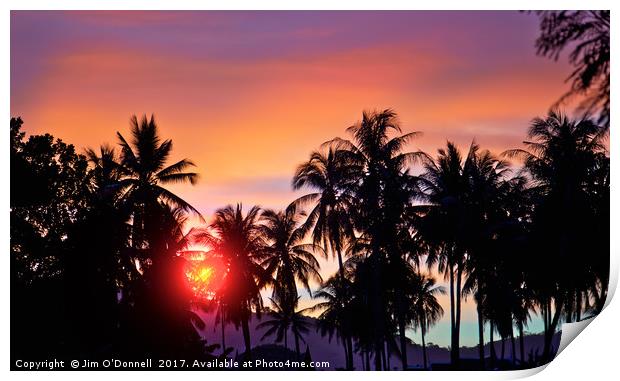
column 97, row 242
column 330, row 221
column 240, row 241
column 426, row 309
column 287, row 256
column 336, row 312
column 560, row 157
column 444, row 185
column 381, row 186
column 587, row 33
column 282, row 317
column 144, row 174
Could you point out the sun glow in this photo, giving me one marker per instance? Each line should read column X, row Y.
column 204, row 275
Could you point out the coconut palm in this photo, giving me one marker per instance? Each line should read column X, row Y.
column 560, row 156
column 286, row 254
column 163, row 320
column 490, row 192
column 238, row 239
column 284, row 316
column 145, row 173
column 335, row 319
column 426, row 308
column 382, row 189
column 587, row 33
column 106, row 171
column 443, row 226
column 329, row 221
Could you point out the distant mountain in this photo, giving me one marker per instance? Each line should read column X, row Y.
column 324, row 350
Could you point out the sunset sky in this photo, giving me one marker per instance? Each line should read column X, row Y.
column 248, row 95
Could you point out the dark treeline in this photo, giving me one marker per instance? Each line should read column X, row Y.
column 94, row 242
column 98, row 241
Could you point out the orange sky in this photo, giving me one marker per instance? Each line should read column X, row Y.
column 248, row 95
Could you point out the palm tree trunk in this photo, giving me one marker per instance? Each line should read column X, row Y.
column 387, row 355
column 551, row 329
column 246, row 339
column 424, row 347
column 367, row 359
column 401, row 327
column 578, row 307
column 512, row 344
column 480, row 329
column 297, row 346
column 346, row 353
column 223, row 334
column 349, row 353
column 492, row 345
column 452, row 337
column 503, row 348
column 340, row 263
column 521, row 344
column 384, row 360
column 377, row 307
column 286, row 338
column 362, row 358
column 457, row 327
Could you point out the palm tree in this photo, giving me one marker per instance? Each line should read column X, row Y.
column 490, row 193
column 382, row 189
column 443, row 227
column 144, row 173
column 426, row 308
column 238, row 238
column 524, row 299
column 336, row 311
column 286, row 255
column 331, row 176
column 163, row 317
column 282, row 317
column 560, row 157
column 587, row 32
column 106, row 171
column 329, row 220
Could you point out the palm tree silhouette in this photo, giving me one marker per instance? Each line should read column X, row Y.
column 329, row 221
column 282, row 317
column 107, row 171
column 144, row 173
column 426, row 308
column 560, row 157
column 587, row 32
column 444, row 225
column 287, row 256
column 382, row 189
column 492, row 232
column 239, row 240
column 489, row 194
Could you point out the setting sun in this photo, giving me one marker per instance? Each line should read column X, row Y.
column 204, row 275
